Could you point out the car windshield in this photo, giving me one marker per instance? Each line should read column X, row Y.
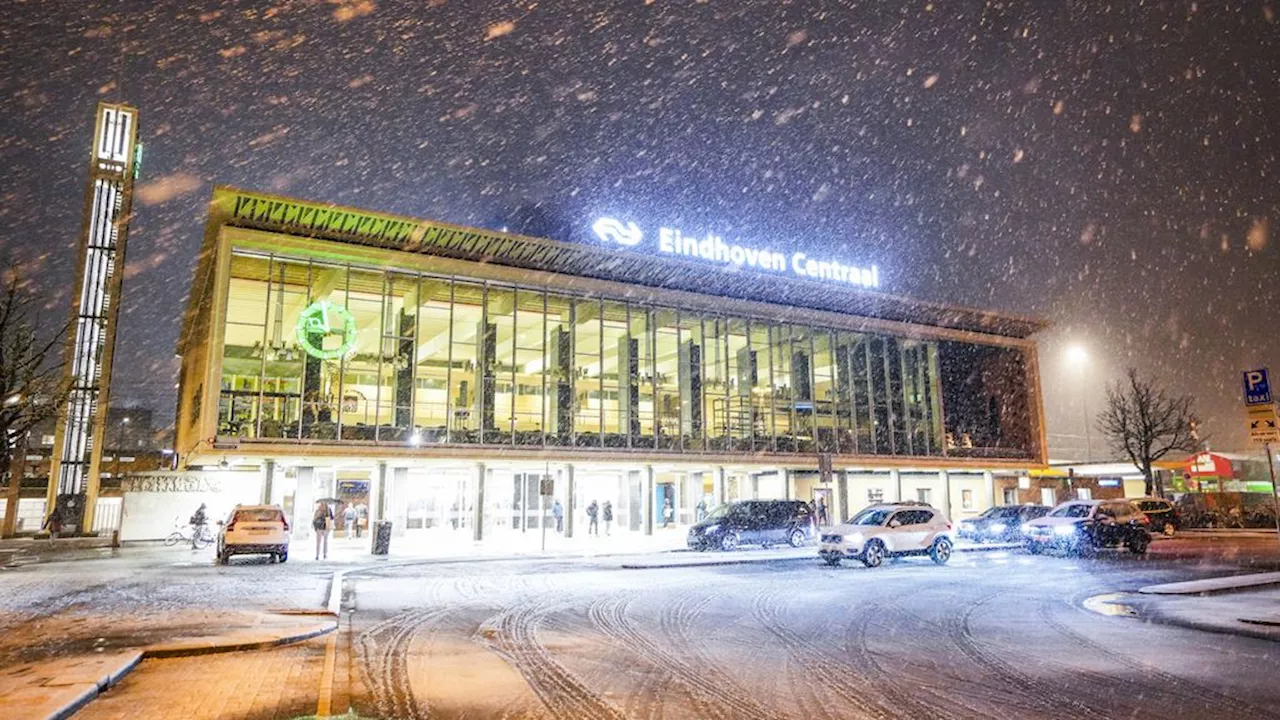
column 1075, row 510
column 871, row 516
column 727, row 509
column 262, row 515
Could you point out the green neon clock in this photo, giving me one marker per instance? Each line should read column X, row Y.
column 320, row 320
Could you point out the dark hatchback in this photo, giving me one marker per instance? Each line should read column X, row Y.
column 1164, row 517
column 754, row 522
column 1002, row 523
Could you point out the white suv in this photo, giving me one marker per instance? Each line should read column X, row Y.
column 882, row 531
column 254, row 530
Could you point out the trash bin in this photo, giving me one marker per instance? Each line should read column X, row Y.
column 381, row 537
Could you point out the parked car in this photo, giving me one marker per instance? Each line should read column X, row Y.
column 884, row 531
column 254, row 530
column 754, row 522
column 1002, row 523
column 1164, row 517
column 1087, row 525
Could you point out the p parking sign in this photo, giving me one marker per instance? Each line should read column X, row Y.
column 1257, row 387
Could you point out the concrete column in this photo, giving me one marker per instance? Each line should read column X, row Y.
column 477, row 518
column 945, row 477
column 649, row 499
column 842, row 498
column 755, row 486
column 786, row 484
column 895, row 477
column 719, row 483
column 304, row 501
column 268, row 481
column 17, row 468
column 989, row 485
column 571, row 492
column 378, row 497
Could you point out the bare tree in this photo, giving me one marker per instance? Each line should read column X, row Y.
column 32, row 388
column 1146, row 423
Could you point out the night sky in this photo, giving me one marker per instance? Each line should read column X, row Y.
column 1110, row 168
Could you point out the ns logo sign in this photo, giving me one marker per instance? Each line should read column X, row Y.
column 612, row 230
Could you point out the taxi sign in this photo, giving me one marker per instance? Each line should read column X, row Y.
column 1257, row 387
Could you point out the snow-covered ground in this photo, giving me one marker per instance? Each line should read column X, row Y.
column 992, row 634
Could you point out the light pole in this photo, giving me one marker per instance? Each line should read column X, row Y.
column 1079, row 359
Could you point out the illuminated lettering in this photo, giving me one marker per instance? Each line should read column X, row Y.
column 713, row 248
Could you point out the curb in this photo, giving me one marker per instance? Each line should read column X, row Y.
column 814, row 556
column 76, row 704
column 176, row 650
column 1210, row 586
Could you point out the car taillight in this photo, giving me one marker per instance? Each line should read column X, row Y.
column 285, row 520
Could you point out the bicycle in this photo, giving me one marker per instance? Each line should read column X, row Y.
column 184, row 534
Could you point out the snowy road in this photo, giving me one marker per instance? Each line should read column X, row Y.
column 992, row 635
column 995, row 634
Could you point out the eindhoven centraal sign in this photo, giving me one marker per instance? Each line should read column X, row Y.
column 713, row 248
column 171, row 483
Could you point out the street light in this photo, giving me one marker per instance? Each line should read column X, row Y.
column 1078, row 357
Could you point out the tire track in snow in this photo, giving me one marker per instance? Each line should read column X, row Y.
column 819, row 663
column 513, row 634
column 714, row 693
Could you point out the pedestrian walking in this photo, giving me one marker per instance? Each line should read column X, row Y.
column 349, row 520
column 321, row 520
column 822, row 510
column 362, row 517
column 668, row 512
column 607, row 512
column 700, row 512
column 54, row 522
column 593, row 523
column 557, row 512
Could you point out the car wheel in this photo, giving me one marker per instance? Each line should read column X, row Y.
column 282, row 557
column 832, row 560
column 941, row 551
column 1169, row 529
column 1035, row 548
column 873, row 554
column 796, row 538
column 729, row 542
column 1138, row 545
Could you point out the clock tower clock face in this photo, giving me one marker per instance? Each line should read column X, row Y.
column 322, row 321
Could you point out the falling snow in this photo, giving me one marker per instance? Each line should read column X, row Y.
column 1104, row 166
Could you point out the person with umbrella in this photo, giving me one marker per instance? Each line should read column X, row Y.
column 321, row 521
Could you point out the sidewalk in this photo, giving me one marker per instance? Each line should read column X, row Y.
column 57, row 687
column 1247, row 605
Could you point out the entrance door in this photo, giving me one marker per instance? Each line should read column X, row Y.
column 822, row 506
column 665, row 504
column 526, row 500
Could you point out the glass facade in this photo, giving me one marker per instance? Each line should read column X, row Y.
column 317, row 351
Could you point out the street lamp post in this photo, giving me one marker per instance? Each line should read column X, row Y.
column 1079, row 358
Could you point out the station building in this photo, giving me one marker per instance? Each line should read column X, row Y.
column 438, row 374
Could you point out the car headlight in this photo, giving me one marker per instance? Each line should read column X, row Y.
column 998, row 527
column 855, row 538
column 710, row 528
column 1064, row 530
column 1026, row 527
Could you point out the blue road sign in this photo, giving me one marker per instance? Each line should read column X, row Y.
column 1257, row 388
